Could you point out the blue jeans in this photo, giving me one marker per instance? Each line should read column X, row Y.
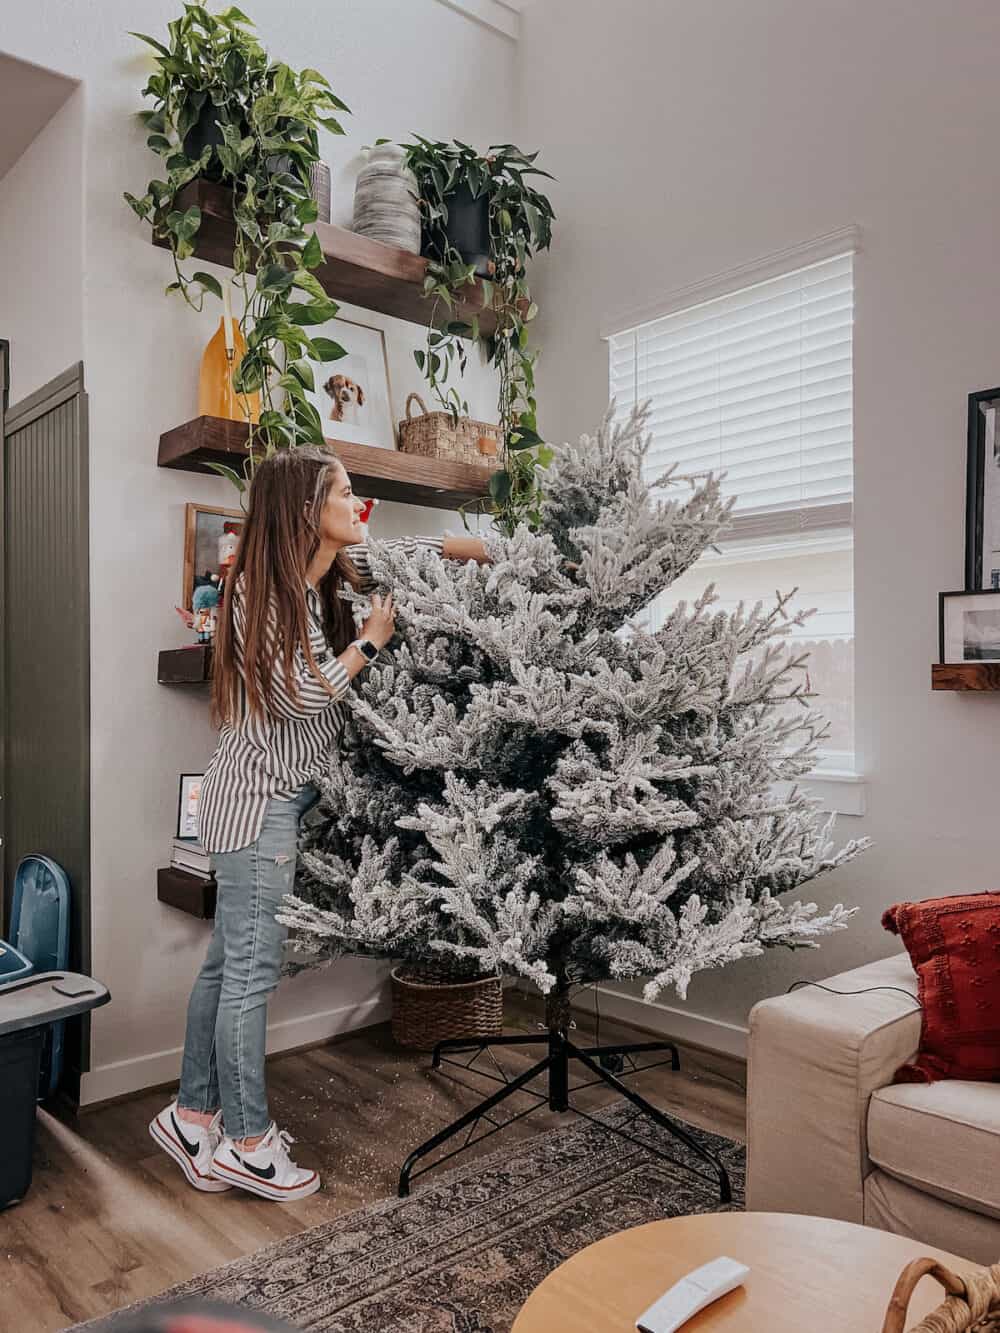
column 226, row 1035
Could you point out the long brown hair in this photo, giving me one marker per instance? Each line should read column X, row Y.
column 268, row 579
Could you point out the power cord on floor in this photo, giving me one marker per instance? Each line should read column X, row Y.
column 867, row 989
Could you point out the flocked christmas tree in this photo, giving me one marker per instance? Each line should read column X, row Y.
column 535, row 784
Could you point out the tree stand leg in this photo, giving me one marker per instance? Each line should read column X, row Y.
column 467, row 1121
column 556, row 1064
column 658, row 1118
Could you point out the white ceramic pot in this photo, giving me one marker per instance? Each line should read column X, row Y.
column 385, row 206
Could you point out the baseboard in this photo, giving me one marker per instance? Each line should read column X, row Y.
column 107, row 1082
column 666, row 1021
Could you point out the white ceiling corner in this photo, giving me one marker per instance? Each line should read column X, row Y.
column 502, row 16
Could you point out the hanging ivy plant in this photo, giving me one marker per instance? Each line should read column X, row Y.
column 519, row 224
column 224, row 111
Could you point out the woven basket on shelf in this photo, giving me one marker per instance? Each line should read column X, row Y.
column 427, row 1007
column 437, row 435
column 972, row 1302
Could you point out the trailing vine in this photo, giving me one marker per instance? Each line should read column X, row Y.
column 224, row 111
column 520, row 224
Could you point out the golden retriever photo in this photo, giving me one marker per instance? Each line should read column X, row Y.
column 354, row 397
column 347, row 398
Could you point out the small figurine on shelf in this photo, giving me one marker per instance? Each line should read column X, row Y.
column 205, row 606
column 203, row 616
column 229, row 540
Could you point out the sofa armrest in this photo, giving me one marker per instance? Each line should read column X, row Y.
column 814, row 1061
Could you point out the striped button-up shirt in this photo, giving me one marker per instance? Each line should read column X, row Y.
column 274, row 756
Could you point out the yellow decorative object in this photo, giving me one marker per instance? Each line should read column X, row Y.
column 216, row 395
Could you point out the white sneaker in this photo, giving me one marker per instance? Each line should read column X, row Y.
column 268, row 1170
column 191, row 1147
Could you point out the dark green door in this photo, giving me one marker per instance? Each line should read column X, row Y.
column 46, row 651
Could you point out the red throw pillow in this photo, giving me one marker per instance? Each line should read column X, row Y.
column 954, row 945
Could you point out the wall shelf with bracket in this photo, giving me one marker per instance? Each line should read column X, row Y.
column 355, row 268
column 976, row 676
column 384, row 474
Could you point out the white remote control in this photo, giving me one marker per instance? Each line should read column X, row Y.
column 685, row 1298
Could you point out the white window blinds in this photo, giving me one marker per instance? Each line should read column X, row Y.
column 756, row 384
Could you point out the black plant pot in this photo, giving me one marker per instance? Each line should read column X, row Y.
column 204, row 132
column 468, row 228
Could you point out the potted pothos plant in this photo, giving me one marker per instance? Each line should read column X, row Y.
column 483, row 220
column 224, row 111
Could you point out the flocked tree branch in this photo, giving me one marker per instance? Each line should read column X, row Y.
column 535, row 784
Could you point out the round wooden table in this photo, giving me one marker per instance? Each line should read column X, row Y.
column 805, row 1273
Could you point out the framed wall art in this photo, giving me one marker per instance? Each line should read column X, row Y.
column 969, row 626
column 353, row 395
column 188, row 802
column 982, row 491
column 210, row 539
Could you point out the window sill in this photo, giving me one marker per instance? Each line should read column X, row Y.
column 841, row 791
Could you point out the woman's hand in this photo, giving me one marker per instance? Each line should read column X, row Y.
column 381, row 624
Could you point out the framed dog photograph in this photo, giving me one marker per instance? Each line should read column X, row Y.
column 188, row 801
column 969, row 626
column 353, row 396
column 210, row 540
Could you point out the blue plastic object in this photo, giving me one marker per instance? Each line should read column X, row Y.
column 13, row 964
column 39, row 927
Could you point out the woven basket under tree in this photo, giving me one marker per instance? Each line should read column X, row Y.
column 972, row 1302
column 439, row 435
column 432, row 1002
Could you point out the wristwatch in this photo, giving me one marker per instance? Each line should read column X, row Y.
column 366, row 648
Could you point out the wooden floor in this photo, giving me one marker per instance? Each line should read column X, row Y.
column 110, row 1218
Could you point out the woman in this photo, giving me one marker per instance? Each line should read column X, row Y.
column 285, row 657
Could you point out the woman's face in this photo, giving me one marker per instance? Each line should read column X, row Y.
column 339, row 521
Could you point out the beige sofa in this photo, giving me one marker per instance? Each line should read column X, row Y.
column 830, row 1135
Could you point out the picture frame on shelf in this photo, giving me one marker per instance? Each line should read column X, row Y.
column 211, row 536
column 353, row 395
column 982, row 491
column 188, row 804
column 969, row 626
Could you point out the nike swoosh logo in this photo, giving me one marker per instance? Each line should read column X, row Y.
column 190, row 1148
column 265, row 1173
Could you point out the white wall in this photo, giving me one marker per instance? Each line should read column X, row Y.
column 414, row 66
column 692, row 137
column 41, row 244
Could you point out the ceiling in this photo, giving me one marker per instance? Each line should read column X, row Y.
column 29, row 98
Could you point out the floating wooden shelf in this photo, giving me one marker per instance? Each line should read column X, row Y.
column 965, row 676
column 355, row 268
column 185, row 666
column 385, row 474
column 194, row 894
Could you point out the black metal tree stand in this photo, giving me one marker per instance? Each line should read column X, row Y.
column 604, row 1062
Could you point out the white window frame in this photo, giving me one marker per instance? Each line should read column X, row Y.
column 842, row 791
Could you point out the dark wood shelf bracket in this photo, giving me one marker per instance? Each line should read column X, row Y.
column 185, row 666
column 384, row 474
column 980, row 677
column 194, row 894
column 355, row 268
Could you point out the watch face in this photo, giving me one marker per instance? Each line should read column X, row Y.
column 368, row 650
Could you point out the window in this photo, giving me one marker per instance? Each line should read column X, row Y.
column 757, row 384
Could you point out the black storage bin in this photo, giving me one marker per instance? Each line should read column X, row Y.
column 20, row 1058
column 27, row 1009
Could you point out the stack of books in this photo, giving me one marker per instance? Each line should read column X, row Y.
column 189, row 855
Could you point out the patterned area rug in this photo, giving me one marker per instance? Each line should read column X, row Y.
column 465, row 1251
